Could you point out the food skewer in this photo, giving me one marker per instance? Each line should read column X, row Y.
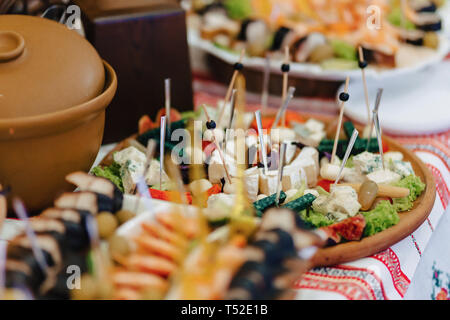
column 141, row 185
column 21, row 212
column 167, row 90
column 347, row 154
column 233, row 106
column 375, row 110
column 261, row 140
column 362, row 65
column 94, row 238
column 238, row 66
column 3, row 208
column 265, row 88
column 285, row 67
column 3, row 247
column 161, row 148
column 343, row 97
column 280, row 171
column 284, row 106
column 219, row 149
column 376, row 122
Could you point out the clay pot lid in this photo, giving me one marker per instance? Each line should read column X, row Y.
column 45, row 67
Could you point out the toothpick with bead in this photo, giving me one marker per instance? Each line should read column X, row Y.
column 265, row 88
column 374, row 111
column 162, row 143
column 167, row 90
column 210, row 124
column 343, row 97
column 280, row 171
column 362, row 65
column 21, row 212
column 238, row 66
column 261, row 139
column 285, row 68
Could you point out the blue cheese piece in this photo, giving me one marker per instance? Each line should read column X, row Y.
column 384, row 176
column 367, row 162
column 152, row 177
column 130, row 173
column 130, row 153
column 403, row 168
column 341, row 203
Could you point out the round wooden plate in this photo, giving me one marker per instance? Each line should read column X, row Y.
column 353, row 250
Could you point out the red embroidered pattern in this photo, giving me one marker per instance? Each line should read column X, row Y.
column 352, row 288
column 390, row 260
column 441, row 186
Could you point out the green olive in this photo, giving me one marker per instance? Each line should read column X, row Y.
column 124, row 215
column 88, row 289
column 107, row 224
column 119, row 246
column 431, row 40
column 321, row 53
column 367, row 194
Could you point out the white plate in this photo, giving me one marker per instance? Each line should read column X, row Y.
column 414, row 105
column 314, row 71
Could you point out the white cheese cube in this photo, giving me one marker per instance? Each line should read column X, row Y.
column 291, row 150
column 279, row 135
column 251, row 180
column 315, row 125
column 312, row 191
column 384, row 176
column 309, row 152
column 268, row 183
column 290, row 194
column 197, row 187
column 216, row 171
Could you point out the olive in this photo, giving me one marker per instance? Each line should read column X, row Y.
column 88, row 289
column 152, row 294
column 118, row 246
column 320, row 53
column 124, row 215
column 107, row 224
column 431, row 40
column 367, row 194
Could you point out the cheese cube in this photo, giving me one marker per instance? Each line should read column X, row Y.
column 216, row 170
column 314, row 125
column 312, row 191
column 291, row 177
column 152, row 178
column 268, row 183
column 251, row 180
column 309, row 152
column 345, row 200
column 384, row 176
column 130, row 153
column 403, row 168
column 291, row 150
column 367, row 162
column 393, row 155
column 279, row 135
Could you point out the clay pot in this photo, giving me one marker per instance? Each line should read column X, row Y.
column 54, row 92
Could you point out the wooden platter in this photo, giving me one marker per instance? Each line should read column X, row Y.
column 353, row 250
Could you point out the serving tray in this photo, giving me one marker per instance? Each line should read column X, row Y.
column 353, row 250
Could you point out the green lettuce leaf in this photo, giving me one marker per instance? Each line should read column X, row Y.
column 238, row 9
column 383, row 216
column 415, row 186
column 315, row 218
column 111, row 173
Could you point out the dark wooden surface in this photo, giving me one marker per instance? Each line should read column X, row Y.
column 305, row 87
column 144, row 45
